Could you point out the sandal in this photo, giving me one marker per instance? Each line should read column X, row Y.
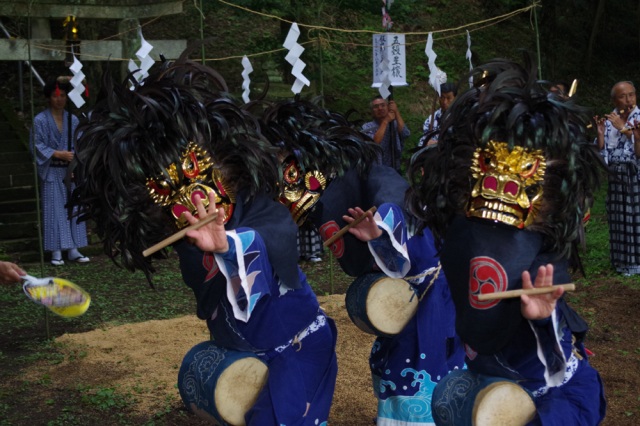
column 57, row 262
column 80, row 259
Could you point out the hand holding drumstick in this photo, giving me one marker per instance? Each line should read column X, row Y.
column 539, row 306
column 212, row 236
column 536, row 302
column 361, row 224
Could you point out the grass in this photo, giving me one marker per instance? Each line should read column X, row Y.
column 119, row 297
column 595, row 258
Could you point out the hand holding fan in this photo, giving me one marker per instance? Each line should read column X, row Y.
column 61, row 296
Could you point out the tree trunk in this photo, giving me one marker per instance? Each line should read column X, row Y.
column 594, row 33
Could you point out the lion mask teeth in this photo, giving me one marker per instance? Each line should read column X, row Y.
column 508, row 184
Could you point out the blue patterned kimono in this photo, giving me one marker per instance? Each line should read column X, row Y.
column 255, row 298
column 428, row 127
column 623, row 204
column 60, row 233
column 405, row 368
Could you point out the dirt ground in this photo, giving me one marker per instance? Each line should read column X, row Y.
column 145, row 357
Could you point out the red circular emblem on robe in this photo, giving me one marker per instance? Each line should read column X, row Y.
column 486, row 275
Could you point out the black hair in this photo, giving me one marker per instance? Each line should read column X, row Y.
column 449, row 88
column 51, row 86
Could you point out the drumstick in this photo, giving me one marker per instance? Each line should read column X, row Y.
column 531, row 291
column 345, row 229
column 178, row 235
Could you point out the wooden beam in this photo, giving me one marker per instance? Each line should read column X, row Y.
column 54, row 50
column 95, row 9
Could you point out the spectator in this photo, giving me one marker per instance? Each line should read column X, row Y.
column 52, row 144
column 619, row 143
column 10, row 273
column 448, row 93
column 387, row 130
column 309, row 243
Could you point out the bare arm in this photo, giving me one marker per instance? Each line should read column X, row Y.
column 379, row 135
column 393, row 107
column 10, row 273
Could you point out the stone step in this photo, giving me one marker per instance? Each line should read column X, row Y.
column 17, row 193
column 22, row 217
column 11, row 143
column 20, row 245
column 9, row 181
column 19, row 206
column 19, row 156
column 11, row 231
column 16, row 169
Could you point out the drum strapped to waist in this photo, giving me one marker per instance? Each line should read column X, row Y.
column 221, row 384
column 380, row 305
column 466, row 398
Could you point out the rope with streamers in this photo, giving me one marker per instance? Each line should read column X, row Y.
column 478, row 25
column 435, row 271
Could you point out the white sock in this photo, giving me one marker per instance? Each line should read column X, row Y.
column 74, row 253
column 56, row 255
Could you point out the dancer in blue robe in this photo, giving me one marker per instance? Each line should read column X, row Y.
column 169, row 152
column 506, row 190
column 405, row 368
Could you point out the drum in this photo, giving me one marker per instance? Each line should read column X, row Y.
column 380, row 305
column 219, row 384
column 466, row 398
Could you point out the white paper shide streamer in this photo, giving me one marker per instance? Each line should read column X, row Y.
column 76, row 81
column 436, row 75
column 246, row 81
column 140, row 72
column 385, row 82
column 293, row 57
column 468, row 56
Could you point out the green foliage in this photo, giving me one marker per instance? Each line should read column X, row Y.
column 104, row 399
column 66, row 418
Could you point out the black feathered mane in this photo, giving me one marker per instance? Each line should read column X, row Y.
column 508, row 104
column 133, row 134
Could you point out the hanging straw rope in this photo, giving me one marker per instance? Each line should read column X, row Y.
column 325, row 39
column 509, row 15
